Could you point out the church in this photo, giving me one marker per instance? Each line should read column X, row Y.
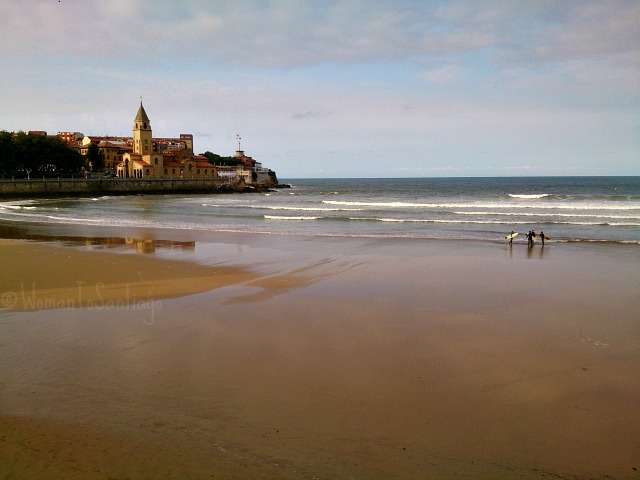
column 151, row 157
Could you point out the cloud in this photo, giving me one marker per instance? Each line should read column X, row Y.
column 591, row 29
column 442, row 75
column 538, row 83
column 286, row 33
column 309, row 115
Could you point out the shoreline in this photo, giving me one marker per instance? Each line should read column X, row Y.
column 172, row 232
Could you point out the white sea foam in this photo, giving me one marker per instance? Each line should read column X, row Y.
column 279, row 217
column 528, row 195
column 596, row 240
column 17, row 207
column 138, row 223
column 544, row 214
column 29, row 217
column 16, row 203
column 485, row 222
column 74, row 219
column 282, row 207
column 102, row 221
column 573, row 206
column 433, row 220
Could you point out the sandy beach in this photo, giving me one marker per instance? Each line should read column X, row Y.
column 252, row 356
column 38, row 277
column 306, row 240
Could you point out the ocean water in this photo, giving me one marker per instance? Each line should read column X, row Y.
column 567, row 209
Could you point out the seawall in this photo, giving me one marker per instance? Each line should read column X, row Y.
column 72, row 186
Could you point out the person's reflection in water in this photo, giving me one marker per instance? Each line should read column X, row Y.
column 541, row 252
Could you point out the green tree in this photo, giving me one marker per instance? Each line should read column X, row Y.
column 24, row 156
column 216, row 159
column 7, row 155
column 95, row 158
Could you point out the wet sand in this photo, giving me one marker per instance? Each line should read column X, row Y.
column 327, row 358
column 37, row 276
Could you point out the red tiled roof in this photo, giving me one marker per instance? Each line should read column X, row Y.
column 172, row 162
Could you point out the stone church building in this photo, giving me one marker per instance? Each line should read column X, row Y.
column 161, row 157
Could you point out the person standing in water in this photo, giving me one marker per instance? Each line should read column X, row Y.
column 511, row 238
column 542, row 237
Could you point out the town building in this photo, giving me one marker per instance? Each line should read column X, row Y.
column 143, row 156
column 70, row 138
column 111, row 148
column 161, row 157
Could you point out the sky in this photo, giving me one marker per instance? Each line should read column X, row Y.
column 345, row 88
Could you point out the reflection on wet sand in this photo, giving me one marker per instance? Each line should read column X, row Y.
column 147, row 245
column 79, row 278
column 139, row 244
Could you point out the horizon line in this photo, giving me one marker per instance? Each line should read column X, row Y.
column 461, row 176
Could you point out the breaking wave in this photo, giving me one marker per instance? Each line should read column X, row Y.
column 528, row 195
column 575, row 206
column 281, row 207
column 485, row 222
column 279, row 217
column 540, row 214
column 17, row 205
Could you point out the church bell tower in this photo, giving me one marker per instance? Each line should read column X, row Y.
column 142, row 143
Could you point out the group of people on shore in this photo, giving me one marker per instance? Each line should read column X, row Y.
column 530, row 237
